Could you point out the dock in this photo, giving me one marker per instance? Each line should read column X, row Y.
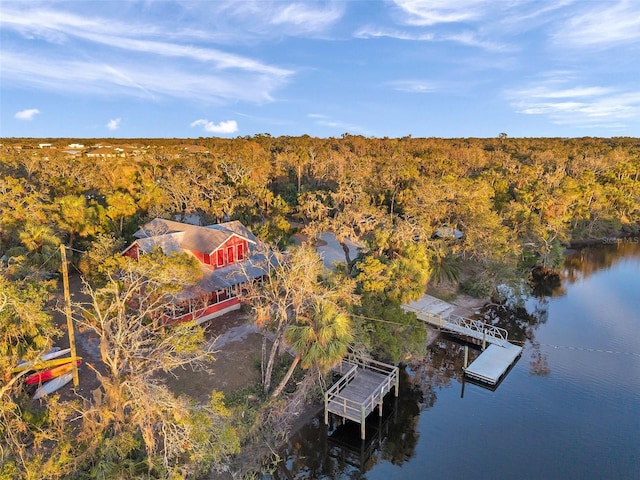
column 494, row 361
column 361, row 388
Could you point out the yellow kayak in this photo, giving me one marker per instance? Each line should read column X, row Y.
column 44, row 364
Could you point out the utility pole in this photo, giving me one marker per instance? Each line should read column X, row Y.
column 67, row 310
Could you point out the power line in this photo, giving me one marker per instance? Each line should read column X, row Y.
column 54, row 254
column 383, row 321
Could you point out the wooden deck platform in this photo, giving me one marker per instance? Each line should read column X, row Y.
column 361, row 389
column 355, row 394
column 492, row 363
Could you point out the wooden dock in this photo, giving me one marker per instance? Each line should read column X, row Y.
column 360, row 389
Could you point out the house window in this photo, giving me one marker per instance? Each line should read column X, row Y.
column 230, row 258
column 206, row 259
column 220, row 258
column 240, row 252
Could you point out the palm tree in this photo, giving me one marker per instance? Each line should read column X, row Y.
column 320, row 341
column 75, row 217
column 40, row 248
column 446, row 267
column 39, row 238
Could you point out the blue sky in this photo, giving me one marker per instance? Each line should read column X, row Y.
column 438, row 68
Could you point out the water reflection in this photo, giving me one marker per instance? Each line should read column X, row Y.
column 342, row 454
column 589, row 260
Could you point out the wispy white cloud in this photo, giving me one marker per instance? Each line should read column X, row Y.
column 602, row 25
column 198, row 72
column 580, row 106
column 114, row 124
column 57, row 26
column 149, row 80
column 472, row 39
column 229, row 126
column 217, row 58
column 574, row 92
column 468, row 38
column 63, row 26
column 325, row 121
column 432, row 12
column 420, row 16
column 311, row 17
column 27, row 114
column 259, row 19
column 379, row 32
column 413, row 86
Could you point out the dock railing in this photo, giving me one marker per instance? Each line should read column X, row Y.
column 357, row 411
column 373, row 365
column 475, row 328
column 479, row 327
column 434, row 319
column 348, row 408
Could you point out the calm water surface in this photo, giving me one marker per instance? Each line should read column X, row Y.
column 570, row 407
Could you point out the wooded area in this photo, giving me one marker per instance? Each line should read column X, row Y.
column 516, row 198
column 468, row 213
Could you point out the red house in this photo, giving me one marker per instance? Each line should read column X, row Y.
column 228, row 253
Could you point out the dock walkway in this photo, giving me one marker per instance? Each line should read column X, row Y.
column 361, row 388
column 494, row 361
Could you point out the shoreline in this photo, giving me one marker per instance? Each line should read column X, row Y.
column 465, row 305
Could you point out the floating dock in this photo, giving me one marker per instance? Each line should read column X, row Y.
column 493, row 363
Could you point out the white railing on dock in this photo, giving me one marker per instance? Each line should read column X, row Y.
column 462, row 325
column 337, row 398
column 349, row 407
column 479, row 327
column 434, row 319
column 370, row 364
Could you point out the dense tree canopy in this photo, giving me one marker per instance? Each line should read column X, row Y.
column 507, row 196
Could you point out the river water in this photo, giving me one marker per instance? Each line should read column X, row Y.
column 568, row 409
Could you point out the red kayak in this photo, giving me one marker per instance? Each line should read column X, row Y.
column 54, row 372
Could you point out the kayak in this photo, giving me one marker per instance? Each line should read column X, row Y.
column 54, row 372
column 52, row 385
column 55, row 352
column 43, row 365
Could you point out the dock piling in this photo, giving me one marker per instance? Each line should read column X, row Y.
column 326, row 408
column 466, row 357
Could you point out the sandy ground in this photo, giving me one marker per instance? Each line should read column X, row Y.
column 466, row 306
column 237, row 345
column 331, row 251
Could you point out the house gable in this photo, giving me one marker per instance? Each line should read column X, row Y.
column 232, row 251
column 215, row 246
